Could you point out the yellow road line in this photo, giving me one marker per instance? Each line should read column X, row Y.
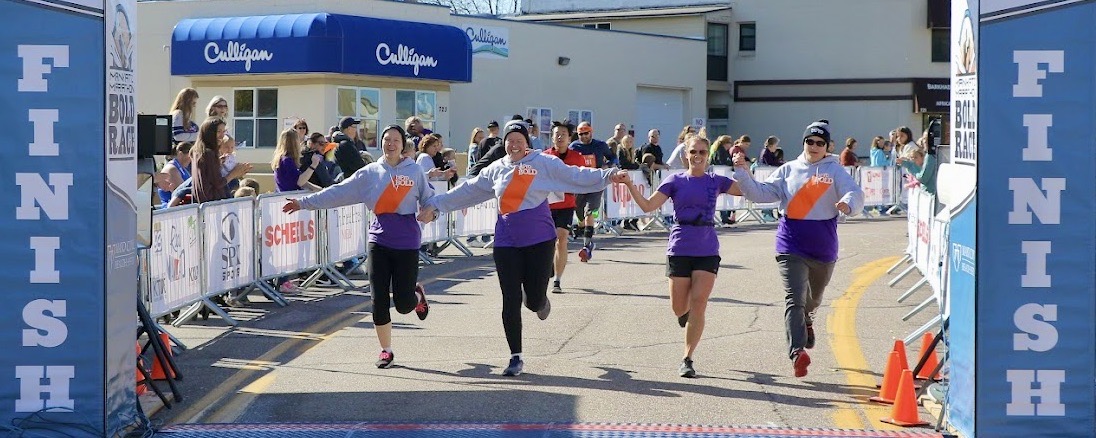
column 846, row 350
column 220, row 405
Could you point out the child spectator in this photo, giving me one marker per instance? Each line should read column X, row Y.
column 245, row 192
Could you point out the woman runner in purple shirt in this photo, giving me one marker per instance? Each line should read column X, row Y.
column 692, row 260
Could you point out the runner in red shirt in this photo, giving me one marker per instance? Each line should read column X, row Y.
column 563, row 208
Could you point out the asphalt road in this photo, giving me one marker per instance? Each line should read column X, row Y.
column 608, row 353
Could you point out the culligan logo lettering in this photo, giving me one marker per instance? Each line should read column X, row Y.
column 235, row 52
column 404, row 56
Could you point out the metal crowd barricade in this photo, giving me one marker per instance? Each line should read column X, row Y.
column 618, row 204
column 228, row 252
column 478, row 220
column 441, row 231
column 344, row 239
column 727, row 202
column 174, row 260
column 286, row 243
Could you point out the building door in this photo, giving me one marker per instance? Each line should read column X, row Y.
column 660, row 108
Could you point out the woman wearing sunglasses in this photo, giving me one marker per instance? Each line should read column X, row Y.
column 812, row 190
column 693, row 254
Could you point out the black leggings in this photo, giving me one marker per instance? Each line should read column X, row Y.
column 525, row 268
column 392, row 276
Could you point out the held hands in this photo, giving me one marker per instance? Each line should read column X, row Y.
column 621, row 177
column 291, row 206
column 428, row 214
column 843, row 207
column 740, row 161
column 316, row 160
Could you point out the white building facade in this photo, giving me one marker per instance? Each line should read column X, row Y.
column 383, row 61
column 773, row 66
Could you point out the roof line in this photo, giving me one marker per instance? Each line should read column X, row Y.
column 540, row 23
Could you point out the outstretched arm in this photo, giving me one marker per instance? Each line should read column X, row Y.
column 750, row 189
column 646, row 204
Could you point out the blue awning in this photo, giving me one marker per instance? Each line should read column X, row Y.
column 320, row 43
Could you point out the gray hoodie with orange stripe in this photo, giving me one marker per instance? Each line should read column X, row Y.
column 394, row 194
column 522, row 189
column 808, row 193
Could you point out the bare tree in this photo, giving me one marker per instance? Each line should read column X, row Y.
column 478, row 7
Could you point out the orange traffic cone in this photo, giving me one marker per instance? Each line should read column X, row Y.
column 140, row 364
column 891, row 375
column 930, row 364
column 157, row 367
column 900, row 349
column 905, row 412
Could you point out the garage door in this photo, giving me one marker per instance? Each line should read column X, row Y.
column 659, row 108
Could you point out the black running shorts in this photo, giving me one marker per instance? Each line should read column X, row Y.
column 563, row 218
column 683, row 266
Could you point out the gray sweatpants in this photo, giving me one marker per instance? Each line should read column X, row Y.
column 805, row 281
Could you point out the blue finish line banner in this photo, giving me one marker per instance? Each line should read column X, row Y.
column 1036, row 326
column 68, row 362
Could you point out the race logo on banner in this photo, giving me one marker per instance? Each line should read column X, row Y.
column 288, row 240
column 345, row 232
column 173, row 260
column 1036, row 311
column 877, row 184
column 229, row 244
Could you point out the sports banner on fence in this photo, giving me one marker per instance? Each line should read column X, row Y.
column 346, row 232
column 287, row 241
column 926, row 203
column 725, row 202
column 877, row 184
column 959, row 311
column 477, row 220
column 618, row 200
column 229, row 242
column 1036, row 311
column 760, row 174
column 438, row 230
column 174, row 259
column 69, row 240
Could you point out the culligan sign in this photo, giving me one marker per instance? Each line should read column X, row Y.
column 404, row 55
column 235, row 52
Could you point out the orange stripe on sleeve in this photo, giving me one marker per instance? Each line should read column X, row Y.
column 806, row 197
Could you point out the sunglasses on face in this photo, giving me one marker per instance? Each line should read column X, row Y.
column 221, row 105
column 584, row 133
column 698, row 152
column 810, row 142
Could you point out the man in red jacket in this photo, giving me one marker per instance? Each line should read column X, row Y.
column 563, row 206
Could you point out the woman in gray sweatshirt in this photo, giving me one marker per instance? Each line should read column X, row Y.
column 393, row 188
column 525, row 234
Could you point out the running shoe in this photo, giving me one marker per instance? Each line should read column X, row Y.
column 800, row 361
column 545, row 309
column 385, row 359
column 422, row 308
column 324, row 281
column 556, row 289
column 586, row 253
column 288, row 288
column 515, row 366
column 683, row 319
column 686, row 370
column 810, row 337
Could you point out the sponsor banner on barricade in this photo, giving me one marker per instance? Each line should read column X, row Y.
column 925, row 205
column 727, row 202
column 938, row 254
column 900, row 185
column 618, row 200
column 877, row 183
column 668, row 207
column 761, row 174
column 287, row 241
column 174, row 260
column 346, row 232
column 438, row 230
column 911, row 225
column 229, row 236
column 476, row 220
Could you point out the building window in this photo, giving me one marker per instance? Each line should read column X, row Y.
column 717, row 52
column 255, row 117
column 363, row 104
column 422, row 104
column 941, row 45
column 747, row 37
column 601, row 26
